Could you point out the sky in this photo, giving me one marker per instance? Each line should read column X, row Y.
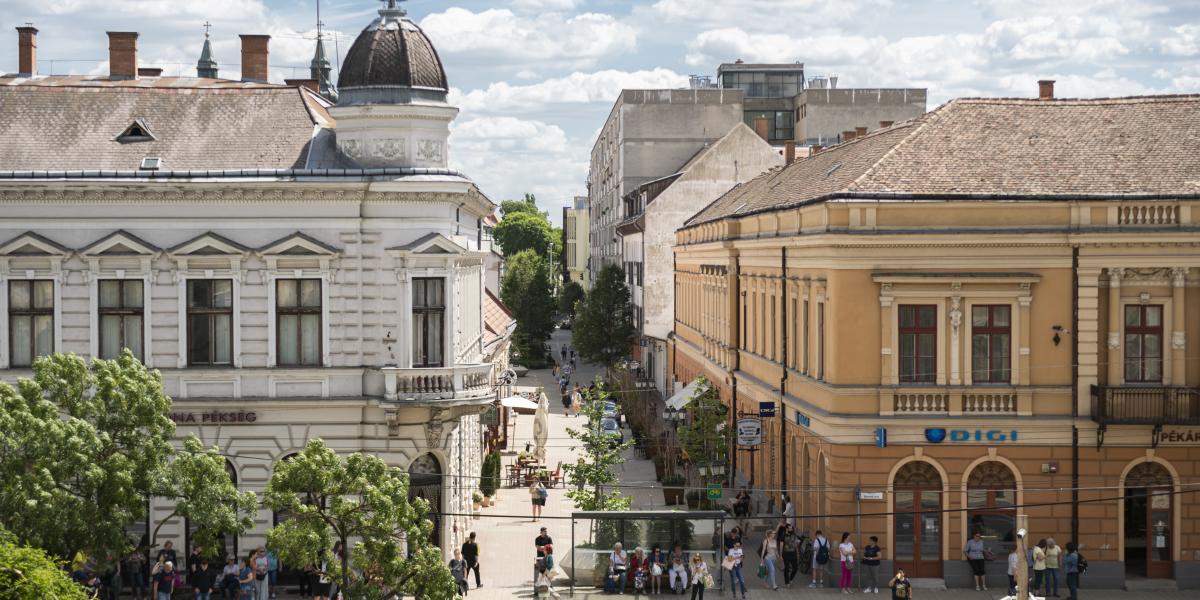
column 535, row 79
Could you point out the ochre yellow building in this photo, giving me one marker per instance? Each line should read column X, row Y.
column 980, row 284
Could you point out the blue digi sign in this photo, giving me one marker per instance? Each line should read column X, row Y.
column 766, row 409
column 937, row 435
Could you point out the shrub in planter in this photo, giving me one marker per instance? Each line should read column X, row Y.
column 476, row 500
column 673, row 489
column 489, row 480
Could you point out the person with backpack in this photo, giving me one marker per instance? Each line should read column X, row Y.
column 806, row 553
column 790, row 550
column 870, row 563
column 820, row 560
column 1070, row 566
column 538, row 495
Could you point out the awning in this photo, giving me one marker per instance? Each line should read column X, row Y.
column 519, row 402
column 684, row 396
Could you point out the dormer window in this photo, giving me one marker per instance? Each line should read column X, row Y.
column 136, row 132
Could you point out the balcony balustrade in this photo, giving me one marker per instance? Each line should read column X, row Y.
column 1145, row 405
column 457, row 383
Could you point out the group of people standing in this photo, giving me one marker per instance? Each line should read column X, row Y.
column 1046, row 561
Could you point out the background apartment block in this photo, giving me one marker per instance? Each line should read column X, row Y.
column 575, row 243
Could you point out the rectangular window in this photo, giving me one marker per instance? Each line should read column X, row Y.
column 991, row 335
column 804, row 336
column 1143, row 343
column 210, row 322
column 30, row 320
column 918, row 343
column 821, row 341
column 429, row 311
column 121, row 308
column 298, row 322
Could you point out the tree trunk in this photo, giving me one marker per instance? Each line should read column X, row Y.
column 345, row 567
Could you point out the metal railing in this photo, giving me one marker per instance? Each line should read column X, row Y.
column 1145, row 405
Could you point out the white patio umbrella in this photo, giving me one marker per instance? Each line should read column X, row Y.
column 541, row 425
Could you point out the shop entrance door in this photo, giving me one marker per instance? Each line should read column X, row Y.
column 1148, row 522
column 917, row 520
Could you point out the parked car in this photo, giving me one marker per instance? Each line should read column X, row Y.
column 612, row 412
column 612, row 429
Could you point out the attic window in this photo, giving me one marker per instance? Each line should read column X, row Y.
column 151, row 163
column 136, row 132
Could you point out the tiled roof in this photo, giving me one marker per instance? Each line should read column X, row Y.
column 998, row 147
column 392, row 54
column 72, row 123
column 497, row 319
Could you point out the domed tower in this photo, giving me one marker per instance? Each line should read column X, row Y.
column 391, row 109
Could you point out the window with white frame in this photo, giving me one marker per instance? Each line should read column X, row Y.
column 30, row 320
column 918, row 343
column 298, row 322
column 210, row 322
column 428, row 322
column 121, row 307
column 991, row 342
column 1143, row 343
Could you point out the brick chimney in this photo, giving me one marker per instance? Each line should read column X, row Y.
column 789, row 153
column 860, row 131
column 885, row 124
column 122, row 54
column 305, row 83
column 254, row 57
column 26, row 51
column 1046, row 89
column 815, row 149
column 847, row 136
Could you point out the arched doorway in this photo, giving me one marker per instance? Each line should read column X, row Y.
column 425, row 481
column 1148, row 521
column 991, row 498
column 917, row 520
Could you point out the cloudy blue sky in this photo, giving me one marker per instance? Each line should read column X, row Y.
column 536, row 78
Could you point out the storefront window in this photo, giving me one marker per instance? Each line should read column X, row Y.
column 991, row 498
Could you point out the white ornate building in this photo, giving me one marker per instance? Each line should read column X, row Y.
column 293, row 268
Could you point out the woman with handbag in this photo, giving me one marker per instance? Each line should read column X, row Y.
column 733, row 564
column 700, row 576
column 847, row 551
column 976, row 554
column 618, row 565
column 769, row 554
column 658, row 565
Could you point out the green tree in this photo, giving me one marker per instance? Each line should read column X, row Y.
column 204, row 493
column 528, row 204
column 524, row 231
column 358, row 497
column 29, row 574
column 604, row 329
column 569, row 297
column 596, row 465
column 489, row 480
column 82, row 447
column 526, row 289
column 705, row 438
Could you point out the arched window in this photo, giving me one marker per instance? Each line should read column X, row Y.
column 991, row 496
column 425, row 481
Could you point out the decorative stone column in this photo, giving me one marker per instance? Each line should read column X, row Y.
column 1115, row 359
column 956, row 316
column 1178, row 326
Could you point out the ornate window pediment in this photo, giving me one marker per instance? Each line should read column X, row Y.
column 209, row 251
column 31, row 252
column 298, row 251
column 119, row 251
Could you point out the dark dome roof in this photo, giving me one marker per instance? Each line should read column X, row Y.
column 392, row 52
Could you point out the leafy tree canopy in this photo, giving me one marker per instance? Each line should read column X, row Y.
column 526, row 290
column 528, row 204
column 604, row 329
column 29, row 574
column 81, row 449
column 524, row 231
column 596, row 466
column 330, row 498
column 569, row 296
column 204, row 493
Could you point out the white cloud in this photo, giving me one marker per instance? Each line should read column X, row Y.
column 545, row 5
column 576, row 88
column 767, row 15
column 727, row 44
column 1184, row 42
column 508, row 157
column 1074, row 38
column 500, row 36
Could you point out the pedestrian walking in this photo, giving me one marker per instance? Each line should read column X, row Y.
column 576, row 401
column 1070, row 566
column 204, row 580
column 543, row 579
column 1039, row 565
column 537, row 496
column 262, row 585
column 700, row 577
column 789, row 510
column 768, row 556
column 901, row 588
column 1013, row 565
column 458, row 570
column 470, row 553
column 164, row 581
column 272, row 572
column 562, row 352
column 733, row 564
column 1053, row 552
column 976, row 553
column 820, row 560
column 789, row 549
column 846, row 551
column 870, row 564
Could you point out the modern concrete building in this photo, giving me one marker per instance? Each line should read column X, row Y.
column 576, row 226
column 289, row 278
column 655, row 210
column 988, row 310
column 647, row 135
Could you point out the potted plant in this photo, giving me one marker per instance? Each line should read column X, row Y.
column 543, row 475
column 673, row 489
column 693, row 499
column 490, row 479
column 659, row 467
column 476, row 500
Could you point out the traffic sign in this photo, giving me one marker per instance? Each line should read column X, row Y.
column 714, row 491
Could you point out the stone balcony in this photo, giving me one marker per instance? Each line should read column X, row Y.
column 955, row 400
column 459, row 384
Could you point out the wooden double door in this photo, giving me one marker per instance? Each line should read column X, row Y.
column 917, row 520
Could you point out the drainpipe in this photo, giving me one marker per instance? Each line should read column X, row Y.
column 783, row 319
column 740, row 298
column 1075, row 394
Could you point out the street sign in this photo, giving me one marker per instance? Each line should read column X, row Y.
column 881, row 437
column 714, row 491
column 766, row 409
column 803, row 420
column 870, row 495
column 490, row 416
column 749, row 432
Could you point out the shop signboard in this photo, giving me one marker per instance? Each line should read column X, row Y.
column 749, row 432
